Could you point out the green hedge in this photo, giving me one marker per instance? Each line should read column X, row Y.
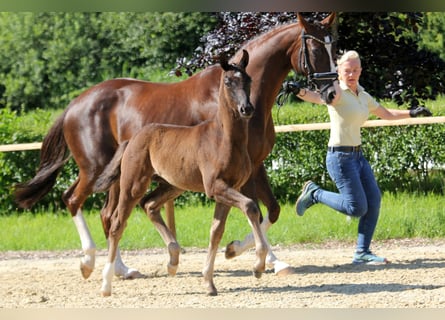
column 48, row 58
column 20, row 166
column 405, row 158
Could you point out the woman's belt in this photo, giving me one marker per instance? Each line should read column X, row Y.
column 345, row 149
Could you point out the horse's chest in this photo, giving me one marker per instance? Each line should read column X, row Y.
column 237, row 169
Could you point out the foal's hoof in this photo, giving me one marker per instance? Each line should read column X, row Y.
column 285, row 272
column 257, row 274
column 231, row 249
column 85, row 270
column 173, row 250
column 211, row 290
column 171, row 269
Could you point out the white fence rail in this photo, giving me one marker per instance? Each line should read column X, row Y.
column 278, row 129
column 369, row 123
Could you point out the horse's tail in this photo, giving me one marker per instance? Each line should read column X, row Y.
column 53, row 155
column 112, row 171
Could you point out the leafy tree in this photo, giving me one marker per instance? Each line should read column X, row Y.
column 395, row 66
column 232, row 30
column 432, row 33
column 49, row 57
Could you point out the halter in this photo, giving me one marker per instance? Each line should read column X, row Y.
column 304, row 55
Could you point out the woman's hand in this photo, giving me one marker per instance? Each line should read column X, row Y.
column 419, row 111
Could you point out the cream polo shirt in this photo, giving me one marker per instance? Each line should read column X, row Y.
column 348, row 115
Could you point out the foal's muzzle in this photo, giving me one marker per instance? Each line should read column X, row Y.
column 246, row 111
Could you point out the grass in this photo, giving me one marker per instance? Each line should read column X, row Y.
column 402, row 216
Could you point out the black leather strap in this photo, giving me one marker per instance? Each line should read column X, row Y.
column 345, row 149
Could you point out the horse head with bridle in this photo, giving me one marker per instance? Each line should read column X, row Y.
column 319, row 81
column 103, row 116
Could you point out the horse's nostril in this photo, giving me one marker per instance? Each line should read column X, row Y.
column 247, row 110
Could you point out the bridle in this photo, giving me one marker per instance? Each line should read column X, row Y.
column 305, row 64
column 321, row 82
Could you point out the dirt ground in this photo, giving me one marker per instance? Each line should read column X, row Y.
column 323, row 278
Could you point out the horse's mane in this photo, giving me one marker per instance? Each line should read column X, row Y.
column 254, row 44
column 265, row 35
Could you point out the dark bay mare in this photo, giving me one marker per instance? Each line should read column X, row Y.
column 214, row 159
column 98, row 120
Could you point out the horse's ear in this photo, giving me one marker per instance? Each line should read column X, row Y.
column 224, row 61
column 244, row 60
column 329, row 20
column 302, row 21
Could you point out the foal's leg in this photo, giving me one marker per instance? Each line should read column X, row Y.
column 264, row 193
column 216, row 233
column 233, row 198
column 152, row 204
column 121, row 270
column 170, row 216
column 134, row 181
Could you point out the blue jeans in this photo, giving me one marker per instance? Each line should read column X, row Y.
column 359, row 193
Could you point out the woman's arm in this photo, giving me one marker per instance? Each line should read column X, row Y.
column 394, row 114
column 310, row 96
column 391, row 114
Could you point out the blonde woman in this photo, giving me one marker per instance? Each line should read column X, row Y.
column 359, row 195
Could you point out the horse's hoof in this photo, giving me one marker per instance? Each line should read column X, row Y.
column 106, row 293
column 174, row 251
column 85, row 270
column 282, row 268
column 285, row 272
column 171, row 269
column 231, row 249
column 105, row 290
column 132, row 274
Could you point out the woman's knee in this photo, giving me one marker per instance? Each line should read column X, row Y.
column 357, row 209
